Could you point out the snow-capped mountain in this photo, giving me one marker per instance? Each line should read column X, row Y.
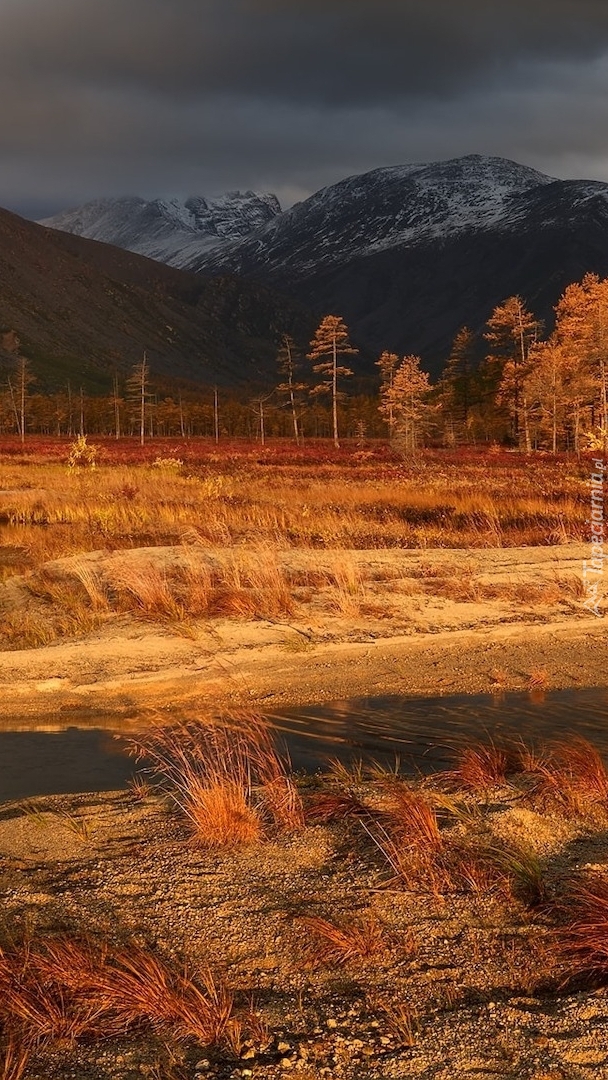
column 407, row 254
column 394, row 207
column 173, row 231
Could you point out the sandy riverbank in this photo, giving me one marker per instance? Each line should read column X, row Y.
column 414, row 622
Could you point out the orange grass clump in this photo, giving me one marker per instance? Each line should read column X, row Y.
column 411, row 820
column 583, row 937
column 481, row 767
column 227, row 778
column 333, row 944
column 62, row 988
column 571, row 771
column 328, row 806
column 582, row 765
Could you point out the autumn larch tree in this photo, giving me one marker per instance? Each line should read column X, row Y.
column 406, row 399
column 511, row 331
column 388, row 364
column 329, row 343
column 582, row 329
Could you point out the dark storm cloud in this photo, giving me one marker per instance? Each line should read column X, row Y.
column 156, row 96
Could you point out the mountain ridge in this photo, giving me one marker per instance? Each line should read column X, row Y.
column 168, row 230
column 83, row 310
column 408, row 254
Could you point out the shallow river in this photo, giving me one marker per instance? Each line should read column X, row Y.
column 422, row 732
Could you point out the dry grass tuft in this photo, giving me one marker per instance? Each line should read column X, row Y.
column 140, row 789
column 483, row 865
column 92, row 584
column 583, row 937
column 226, row 777
column 578, row 760
column 147, row 587
column 328, row 806
column 571, row 771
column 65, row 989
column 410, row 819
column 539, row 679
column 400, row 1020
column 338, row 944
column 481, row 767
column 499, row 679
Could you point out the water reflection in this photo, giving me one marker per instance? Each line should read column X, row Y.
column 48, row 756
column 61, row 762
column 424, row 732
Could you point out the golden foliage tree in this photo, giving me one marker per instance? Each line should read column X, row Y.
column 511, row 332
column 331, row 341
column 388, row 364
column 406, row 400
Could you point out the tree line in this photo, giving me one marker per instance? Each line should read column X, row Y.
column 510, row 383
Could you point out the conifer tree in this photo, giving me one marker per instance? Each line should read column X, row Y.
column 511, row 331
column 388, row 363
column 330, row 342
column 407, row 401
column 582, row 328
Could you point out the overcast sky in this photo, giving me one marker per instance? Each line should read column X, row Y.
column 177, row 97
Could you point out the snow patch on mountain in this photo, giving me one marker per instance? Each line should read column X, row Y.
column 393, row 207
column 174, row 231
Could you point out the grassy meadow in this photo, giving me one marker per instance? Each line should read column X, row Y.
column 251, row 505
column 226, row 917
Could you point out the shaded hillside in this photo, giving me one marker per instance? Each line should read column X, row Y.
column 410, row 254
column 416, row 300
column 83, row 309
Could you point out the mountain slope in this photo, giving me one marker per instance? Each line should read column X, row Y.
column 84, row 309
column 172, row 231
column 406, row 254
column 409, row 254
column 384, row 209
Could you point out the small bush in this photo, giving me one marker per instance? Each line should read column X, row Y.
column 82, row 454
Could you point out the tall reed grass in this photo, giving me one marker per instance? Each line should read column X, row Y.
column 226, row 777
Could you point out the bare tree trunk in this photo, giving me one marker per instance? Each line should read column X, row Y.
column 14, row 404
column 526, row 426
column 116, row 410
column 335, row 394
column 22, row 406
column 181, row 417
column 294, row 415
column 142, row 404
